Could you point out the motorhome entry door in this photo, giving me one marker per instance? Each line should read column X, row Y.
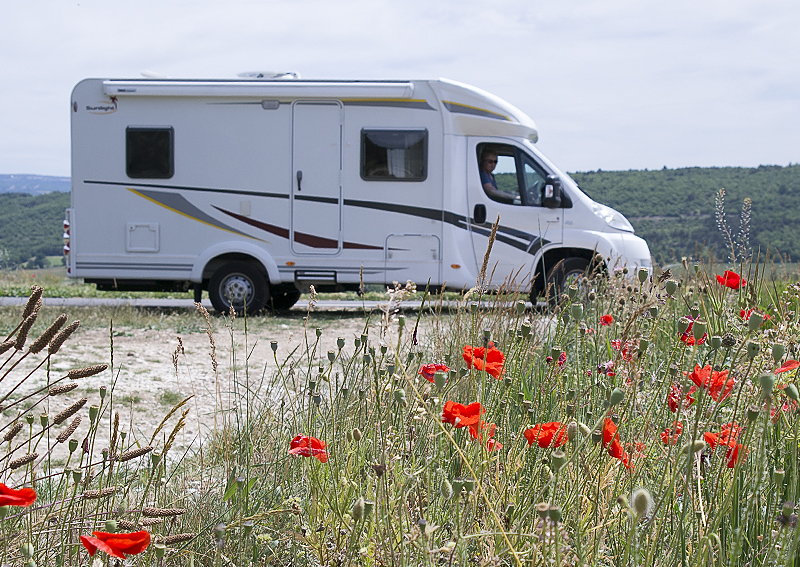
column 316, row 177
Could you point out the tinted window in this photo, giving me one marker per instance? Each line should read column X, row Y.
column 394, row 155
column 510, row 176
column 149, row 153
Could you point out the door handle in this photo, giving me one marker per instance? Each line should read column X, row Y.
column 479, row 214
column 299, row 178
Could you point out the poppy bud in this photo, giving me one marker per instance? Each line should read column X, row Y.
column 446, row 489
column 520, row 307
column 219, row 531
column 616, row 397
column 274, row 346
column 318, row 331
column 642, row 275
column 752, row 349
column 683, row 324
column 767, row 383
column 401, row 321
column 111, row 526
column 778, row 350
column 160, row 550
column 557, row 460
column 671, row 287
column 592, row 296
column 458, row 484
column 572, row 431
column 577, row 311
column 778, row 476
column 715, row 342
column 791, row 392
column 698, row 330
column 572, row 291
column 93, row 411
column 565, row 317
column 695, row 311
column 642, row 502
column 643, row 344
column 653, row 311
column 469, row 484
column 331, row 355
column 399, row 396
column 358, row 510
column 754, row 321
column 752, row 413
column 439, row 379
column 27, row 550
column 369, row 505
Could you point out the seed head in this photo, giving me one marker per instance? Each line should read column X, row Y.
column 76, row 373
column 162, row 512
column 22, row 335
column 179, row 538
column 70, row 411
column 22, row 461
column 62, row 336
column 34, row 301
column 59, row 389
column 132, row 454
column 101, row 493
column 11, row 433
column 67, row 433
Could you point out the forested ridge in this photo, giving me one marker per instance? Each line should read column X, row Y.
column 673, row 209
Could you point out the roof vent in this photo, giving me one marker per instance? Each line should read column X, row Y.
column 269, row 75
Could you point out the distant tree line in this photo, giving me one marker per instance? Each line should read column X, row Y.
column 673, row 209
column 31, row 228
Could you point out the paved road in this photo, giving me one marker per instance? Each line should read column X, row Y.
column 302, row 305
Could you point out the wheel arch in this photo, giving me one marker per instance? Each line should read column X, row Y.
column 550, row 258
column 215, row 256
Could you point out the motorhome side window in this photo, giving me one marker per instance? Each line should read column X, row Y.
column 149, row 152
column 509, row 175
column 394, row 155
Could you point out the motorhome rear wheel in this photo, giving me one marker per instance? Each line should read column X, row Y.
column 239, row 285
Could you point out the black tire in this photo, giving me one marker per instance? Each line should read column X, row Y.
column 283, row 298
column 561, row 276
column 236, row 283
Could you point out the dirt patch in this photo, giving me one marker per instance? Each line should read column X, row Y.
column 144, row 382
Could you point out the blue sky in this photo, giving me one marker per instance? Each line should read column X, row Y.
column 618, row 84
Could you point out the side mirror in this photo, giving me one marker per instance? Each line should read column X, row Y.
column 551, row 193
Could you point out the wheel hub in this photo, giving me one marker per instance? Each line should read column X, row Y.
column 237, row 289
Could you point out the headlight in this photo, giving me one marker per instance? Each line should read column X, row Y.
column 613, row 218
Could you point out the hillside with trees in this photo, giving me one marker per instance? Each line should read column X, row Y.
column 673, row 209
column 31, row 228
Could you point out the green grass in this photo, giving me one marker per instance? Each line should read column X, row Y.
column 403, row 483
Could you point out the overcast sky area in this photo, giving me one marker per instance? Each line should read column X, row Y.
column 612, row 85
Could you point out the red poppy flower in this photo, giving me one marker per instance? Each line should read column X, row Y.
column 718, row 384
column 734, row 453
column 551, row 434
column 746, row 315
column 481, row 358
column 670, row 435
column 731, row 280
column 626, row 349
column 22, row 497
column 487, row 430
column 428, row 370
column 674, row 397
column 787, row 366
column 611, row 439
column 562, row 359
column 459, row 415
column 303, row 446
column 726, row 437
column 637, row 451
column 493, row 445
column 116, row 545
column 606, row 320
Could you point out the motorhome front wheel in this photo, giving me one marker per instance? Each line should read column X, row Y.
column 239, row 285
column 564, row 274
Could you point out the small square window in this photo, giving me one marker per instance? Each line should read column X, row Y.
column 149, row 153
column 394, row 155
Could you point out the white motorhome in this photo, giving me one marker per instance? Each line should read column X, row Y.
column 254, row 189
